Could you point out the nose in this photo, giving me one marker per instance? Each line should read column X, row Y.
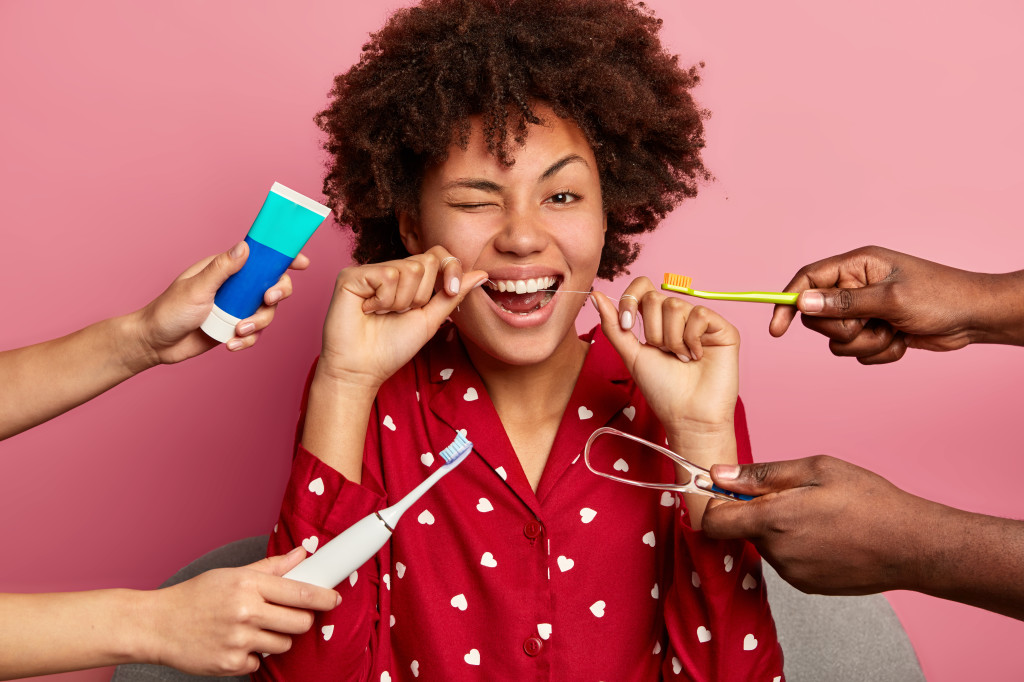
column 523, row 233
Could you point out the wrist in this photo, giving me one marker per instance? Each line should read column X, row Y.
column 134, row 350
column 999, row 314
column 704, row 443
column 131, row 640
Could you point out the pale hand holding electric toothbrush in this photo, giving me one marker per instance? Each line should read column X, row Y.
column 379, row 318
column 687, row 368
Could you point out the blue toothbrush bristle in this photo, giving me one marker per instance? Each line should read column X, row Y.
column 459, row 446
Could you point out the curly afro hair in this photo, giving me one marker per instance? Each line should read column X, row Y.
column 598, row 63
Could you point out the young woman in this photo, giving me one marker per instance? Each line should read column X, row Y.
column 493, row 159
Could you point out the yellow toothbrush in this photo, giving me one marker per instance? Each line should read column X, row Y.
column 681, row 284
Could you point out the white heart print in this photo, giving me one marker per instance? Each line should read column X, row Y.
column 584, row 412
column 695, row 579
column 389, row 422
column 620, row 465
column 749, row 643
column 749, row 582
column 415, row 667
column 728, row 562
column 501, row 472
column 392, row 620
column 400, row 569
column 630, row 412
column 311, row 543
column 657, row 648
column 667, row 499
column 459, row 602
column 544, row 630
column 649, row 538
column 385, row 676
column 597, row 608
column 654, row 592
column 470, row 395
column 387, row 580
column 565, row 563
column 587, row 514
column 426, row 518
column 473, row 657
column 484, row 505
column 488, row 560
column 327, row 631
column 703, row 634
column 446, row 373
column 317, row 486
column 427, row 458
column 677, row 667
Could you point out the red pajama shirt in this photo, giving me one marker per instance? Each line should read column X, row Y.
column 483, row 579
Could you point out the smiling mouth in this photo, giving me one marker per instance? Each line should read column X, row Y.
column 522, row 296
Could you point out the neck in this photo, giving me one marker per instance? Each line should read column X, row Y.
column 546, row 385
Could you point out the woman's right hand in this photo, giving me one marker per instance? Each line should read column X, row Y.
column 383, row 313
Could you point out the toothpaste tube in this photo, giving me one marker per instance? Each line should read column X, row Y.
column 285, row 223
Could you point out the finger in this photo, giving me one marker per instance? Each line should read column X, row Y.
column 217, row 271
column 762, row 478
column 735, row 520
column 702, row 322
column 280, row 291
column 872, row 339
column 442, row 305
column 281, row 564
column 782, row 315
column 451, row 273
column 241, row 343
column 281, row 619
column 674, row 320
column 651, row 313
column 301, row 262
column 270, row 643
column 623, row 341
column 896, row 349
column 841, row 330
column 296, row 594
column 382, row 284
column 867, row 301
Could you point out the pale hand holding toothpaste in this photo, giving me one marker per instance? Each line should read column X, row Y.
column 283, row 226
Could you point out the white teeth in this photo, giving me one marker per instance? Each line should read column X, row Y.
column 523, row 286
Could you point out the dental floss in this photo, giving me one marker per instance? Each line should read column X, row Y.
column 284, row 224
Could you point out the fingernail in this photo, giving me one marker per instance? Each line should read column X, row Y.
column 480, row 283
column 246, row 328
column 814, row 301
column 274, row 296
column 727, row 472
column 339, row 601
column 295, row 550
column 626, row 319
column 684, row 358
column 234, row 344
column 453, row 287
column 236, row 250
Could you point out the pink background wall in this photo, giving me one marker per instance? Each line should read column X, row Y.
column 136, row 138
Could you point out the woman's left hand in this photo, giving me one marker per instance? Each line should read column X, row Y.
column 688, row 365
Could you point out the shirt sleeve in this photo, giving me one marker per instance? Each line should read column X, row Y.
column 348, row 642
column 718, row 621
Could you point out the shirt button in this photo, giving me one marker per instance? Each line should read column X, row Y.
column 532, row 646
column 533, row 529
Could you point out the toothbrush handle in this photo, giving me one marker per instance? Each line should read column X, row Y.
column 783, row 298
column 336, row 560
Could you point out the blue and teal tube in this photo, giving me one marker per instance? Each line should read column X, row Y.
column 285, row 223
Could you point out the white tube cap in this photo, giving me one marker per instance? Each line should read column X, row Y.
column 220, row 325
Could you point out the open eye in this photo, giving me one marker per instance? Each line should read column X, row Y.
column 563, row 198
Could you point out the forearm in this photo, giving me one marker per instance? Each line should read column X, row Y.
column 52, row 633
column 42, row 381
column 702, row 445
column 970, row 558
column 999, row 316
column 336, row 418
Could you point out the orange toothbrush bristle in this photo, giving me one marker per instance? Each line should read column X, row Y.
column 681, row 281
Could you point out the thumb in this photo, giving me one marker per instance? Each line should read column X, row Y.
column 623, row 341
column 862, row 302
column 217, row 271
column 443, row 304
column 279, row 565
column 762, row 478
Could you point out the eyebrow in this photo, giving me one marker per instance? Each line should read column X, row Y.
column 495, row 188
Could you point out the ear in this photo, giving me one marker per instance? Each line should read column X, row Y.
column 409, row 231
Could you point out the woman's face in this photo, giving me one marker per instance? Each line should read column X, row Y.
column 538, row 224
